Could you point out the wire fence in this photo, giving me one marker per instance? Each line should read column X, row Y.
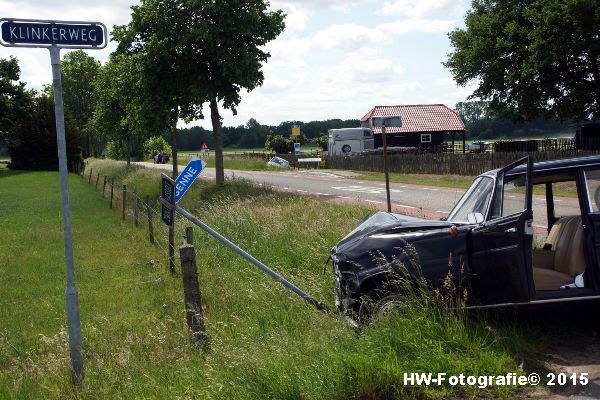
column 143, row 210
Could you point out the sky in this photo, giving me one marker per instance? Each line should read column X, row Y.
column 335, row 59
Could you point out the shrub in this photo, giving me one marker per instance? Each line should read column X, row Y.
column 155, row 144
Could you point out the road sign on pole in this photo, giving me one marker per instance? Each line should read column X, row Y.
column 187, row 177
column 55, row 35
column 390, row 122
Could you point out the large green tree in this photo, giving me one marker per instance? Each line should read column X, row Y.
column 116, row 116
column 193, row 52
column 531, row 58
column 15, row 100
column 79, row 72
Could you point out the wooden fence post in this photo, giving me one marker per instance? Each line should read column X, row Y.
column 189, row 235
column 112, row 190
column 192, row 295
column 104, row 186
column 135, row 209
column 97, row 179
column 90, row 178
column 150, row 223
column 124, row 202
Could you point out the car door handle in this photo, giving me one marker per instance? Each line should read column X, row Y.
column 511, row 230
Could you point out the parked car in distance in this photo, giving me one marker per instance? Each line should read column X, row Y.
column 486, row 244
column 477, row 146
column 162, row 157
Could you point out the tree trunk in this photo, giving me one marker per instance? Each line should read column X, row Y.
column 216, row 123
column 128, row 150
column 174, row 149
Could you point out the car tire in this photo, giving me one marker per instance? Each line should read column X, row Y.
column 376, row 304
column 392, row 304
column 346, row 149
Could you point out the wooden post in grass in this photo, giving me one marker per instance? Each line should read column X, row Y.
column 97, row 179
column 112, row 190
column 191, row 294
column 150, row 223
column 189, row 235
column 90, row 178
column 104, row 186
column 124, row 202
column 135, row 209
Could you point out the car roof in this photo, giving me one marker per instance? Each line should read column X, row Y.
column 563, row 163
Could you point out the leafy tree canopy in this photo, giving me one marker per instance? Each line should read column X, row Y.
column 79, row 72
column 193, row 52
column 531, row 58
column 15, row 101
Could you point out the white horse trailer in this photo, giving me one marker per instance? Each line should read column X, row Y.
column 346, row 141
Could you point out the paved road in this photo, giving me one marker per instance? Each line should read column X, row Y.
column 427, row 201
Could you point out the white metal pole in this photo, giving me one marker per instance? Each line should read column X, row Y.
column 72, row 299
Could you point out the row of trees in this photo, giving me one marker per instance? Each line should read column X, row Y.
column 254, row 134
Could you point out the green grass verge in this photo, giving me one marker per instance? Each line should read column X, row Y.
column 264, row 341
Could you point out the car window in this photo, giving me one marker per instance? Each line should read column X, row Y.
column 475, row 200
column 514, row 196
column 592, row 181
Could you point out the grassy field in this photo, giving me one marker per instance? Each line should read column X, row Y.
column 264, row 342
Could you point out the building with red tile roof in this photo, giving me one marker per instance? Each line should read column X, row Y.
column 423, row 125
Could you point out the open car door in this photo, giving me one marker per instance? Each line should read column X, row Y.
column 591, row 227
column 501, row 270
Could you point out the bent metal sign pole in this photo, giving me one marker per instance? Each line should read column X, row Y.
column 55, row 35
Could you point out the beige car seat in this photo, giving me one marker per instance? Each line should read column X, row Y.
column 564, row 260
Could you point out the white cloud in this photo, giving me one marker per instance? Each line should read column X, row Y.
column 418, row 25
column 423, row 8
column 362, row 67
column 315, row 4
column 287, row 52
column 348, row 37
column 296, row 17
column 274, row 84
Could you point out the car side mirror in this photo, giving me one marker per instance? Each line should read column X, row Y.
column 475, row 218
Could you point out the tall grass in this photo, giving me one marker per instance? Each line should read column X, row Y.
column 264, row 341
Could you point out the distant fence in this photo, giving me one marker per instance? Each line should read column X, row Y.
column 443, row 163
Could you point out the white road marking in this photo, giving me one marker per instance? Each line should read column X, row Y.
column 402, row 205
column 301, row 191
column 374, row 201
column 365, row 189
column 345, row 197
column 443, row 212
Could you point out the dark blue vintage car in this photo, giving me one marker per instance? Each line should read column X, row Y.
column 505, row 245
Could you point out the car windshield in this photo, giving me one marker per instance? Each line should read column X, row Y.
column 475, row 200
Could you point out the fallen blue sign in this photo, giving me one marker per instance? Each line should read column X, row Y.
column 187, row 177
column 38, row 33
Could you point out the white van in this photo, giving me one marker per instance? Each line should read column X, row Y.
column 346, row 141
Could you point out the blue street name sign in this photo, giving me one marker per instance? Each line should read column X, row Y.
column 187, row 177
column 37, row 33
